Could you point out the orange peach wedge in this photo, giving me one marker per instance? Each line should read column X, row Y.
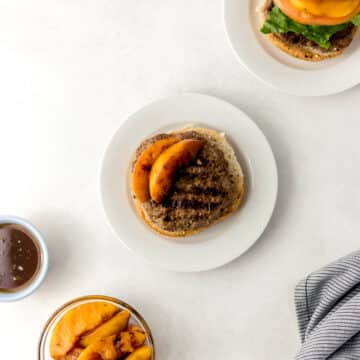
column 165, row 166
column 142, row 353
column 113, row 326
column 101, row 349
column 142, row 168
column 75, row 323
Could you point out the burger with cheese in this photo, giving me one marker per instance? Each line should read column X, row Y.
column 312, row 30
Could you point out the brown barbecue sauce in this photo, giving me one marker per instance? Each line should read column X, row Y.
column 19, row 257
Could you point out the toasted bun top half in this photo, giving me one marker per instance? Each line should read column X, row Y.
column 316, row 12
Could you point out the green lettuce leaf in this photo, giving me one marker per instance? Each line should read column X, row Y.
column 356, row 20
column 278, row 22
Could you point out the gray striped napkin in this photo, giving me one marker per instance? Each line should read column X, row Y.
column 328, row 311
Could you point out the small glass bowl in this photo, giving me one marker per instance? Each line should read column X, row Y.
column 135, row 318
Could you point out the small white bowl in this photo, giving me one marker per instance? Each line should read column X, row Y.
column 44, row 260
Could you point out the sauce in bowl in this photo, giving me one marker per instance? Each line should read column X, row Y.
column 19, row 257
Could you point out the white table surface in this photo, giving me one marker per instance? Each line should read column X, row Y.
column 70, row 73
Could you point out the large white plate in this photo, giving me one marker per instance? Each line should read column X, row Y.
column 280, row 70
column 220, row 243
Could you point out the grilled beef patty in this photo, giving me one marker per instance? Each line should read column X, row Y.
column 201, row 193
column 339, row 41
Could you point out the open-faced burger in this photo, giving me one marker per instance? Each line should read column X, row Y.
column 186, row 180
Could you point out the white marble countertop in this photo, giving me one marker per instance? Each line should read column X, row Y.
column 70, row 73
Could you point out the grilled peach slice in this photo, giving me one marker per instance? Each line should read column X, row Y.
column 137, row 336
column 113, row 326
column 103, row 349
column 142, row 353
column 77, row 322
column 131, row 339
column 163, row 170
column 73, row 354
column 126, row 345
column 142, row 168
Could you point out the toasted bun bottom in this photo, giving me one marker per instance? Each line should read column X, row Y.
column 305, row 52
column 235, row 169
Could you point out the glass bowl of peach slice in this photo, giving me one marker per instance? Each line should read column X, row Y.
column 96, row 327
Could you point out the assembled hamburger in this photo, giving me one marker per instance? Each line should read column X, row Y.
column 311, row 30
column 186, row 180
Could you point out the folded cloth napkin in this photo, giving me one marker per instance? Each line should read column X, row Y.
column 328, row 311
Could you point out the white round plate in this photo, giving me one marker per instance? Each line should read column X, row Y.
column 279, row 70
column 219, row 243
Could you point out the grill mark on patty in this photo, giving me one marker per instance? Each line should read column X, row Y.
column 190, row 204
column 212, row 191
column 188, row 219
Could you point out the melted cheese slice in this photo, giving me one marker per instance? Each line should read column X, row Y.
column 329, row 8
column 320, row 12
